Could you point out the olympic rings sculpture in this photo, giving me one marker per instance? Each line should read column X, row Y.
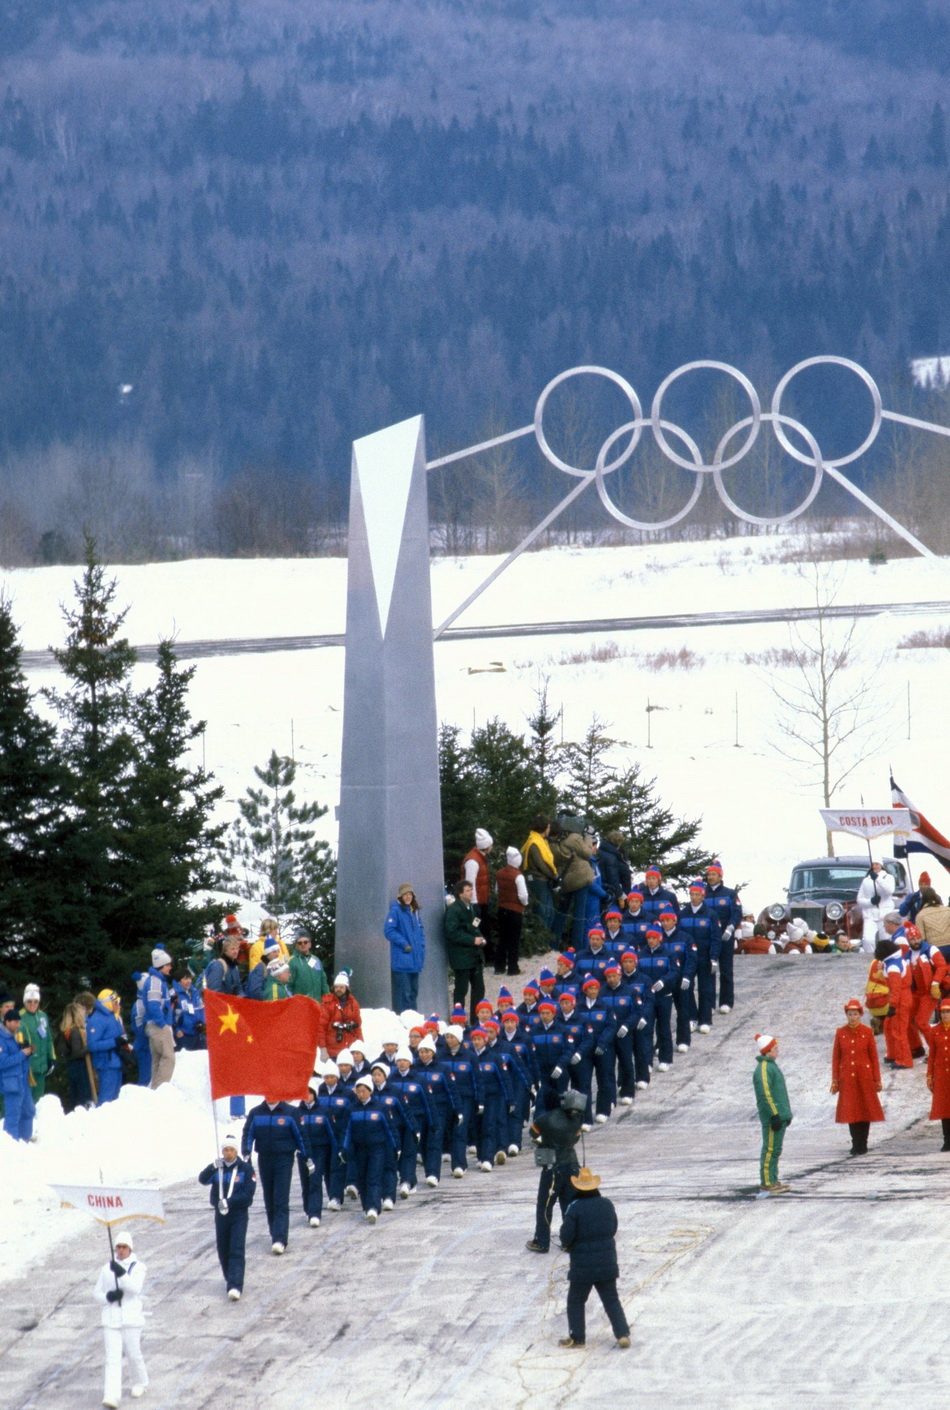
column 693, row 461
column 610, row 458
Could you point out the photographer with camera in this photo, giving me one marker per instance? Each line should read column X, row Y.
column 341, row 1018
column 555, row 1134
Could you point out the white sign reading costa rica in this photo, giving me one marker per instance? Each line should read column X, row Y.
column 868, row 822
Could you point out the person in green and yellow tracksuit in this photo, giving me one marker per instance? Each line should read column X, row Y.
column 38, row 1034
column 771, row 1098
column 275, row 985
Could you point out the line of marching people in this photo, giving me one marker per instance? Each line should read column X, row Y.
column 611, row 1015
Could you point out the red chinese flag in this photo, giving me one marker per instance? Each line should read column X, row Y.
column 258, row 1046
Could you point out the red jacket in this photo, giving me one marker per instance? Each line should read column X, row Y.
column 335, row 1011
column 938, row 1070
column 482, row 880
column 856, row 1073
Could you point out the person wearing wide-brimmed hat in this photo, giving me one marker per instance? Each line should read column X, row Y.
column 588, row 1234
column 856, row 1077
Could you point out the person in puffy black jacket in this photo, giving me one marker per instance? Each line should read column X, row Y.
column 588, row 1235
column 614, row 867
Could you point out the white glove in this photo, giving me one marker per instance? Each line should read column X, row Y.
column 622, row 1031
column 728, row 933
column 311, row 1168
column 575, row 1059
column 641, row 1024
column 556, row 1072
column 657, row 986
column 461, row 1118
column 714, row 966
column 219, row 1163
column 684, row 983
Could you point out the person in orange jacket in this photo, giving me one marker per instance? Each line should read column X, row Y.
column 938, row 1071
column 928, row 968
column 341, row 1018
column 899, row 978
column 856, row 1077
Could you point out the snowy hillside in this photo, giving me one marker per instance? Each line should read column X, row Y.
column 706, row 688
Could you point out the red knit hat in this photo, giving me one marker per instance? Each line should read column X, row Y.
column 591, row 983
column 924, row 879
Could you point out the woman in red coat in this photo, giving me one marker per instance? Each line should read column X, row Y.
column 938, row 1071
column 341, row 1017
column 856, row 1077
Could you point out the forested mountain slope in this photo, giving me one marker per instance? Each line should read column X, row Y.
column 278, row 226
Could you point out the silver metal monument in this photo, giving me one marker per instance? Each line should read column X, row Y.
column 390, row 825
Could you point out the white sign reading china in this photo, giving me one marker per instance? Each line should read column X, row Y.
column 110, row 1204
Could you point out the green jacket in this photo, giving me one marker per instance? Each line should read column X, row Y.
column 36, row 1031
column 460, row 933
column 273, row 989
column 307, row 976
column 771, row 1096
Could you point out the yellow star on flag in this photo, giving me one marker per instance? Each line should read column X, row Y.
column 229, row 1021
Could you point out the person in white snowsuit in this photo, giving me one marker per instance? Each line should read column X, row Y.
column 874, row 898
column 118, row 1291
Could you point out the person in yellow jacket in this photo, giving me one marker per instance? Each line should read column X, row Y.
column 270, row 933
column 540, row 868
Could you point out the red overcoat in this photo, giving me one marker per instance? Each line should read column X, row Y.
column 938, row 1070
column 856, row 1070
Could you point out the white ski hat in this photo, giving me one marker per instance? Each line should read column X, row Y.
column 160, row 958
column 428, row 1043
column 342, row 978
column 483, row 839
column 404, row 1054
column 764, row 1041
column 455, row 1032
column 32, row 991
column 382, row 1067
column 513, row 857
column 357, row 1046
column 330, row 1069
column 364, row 1081
column 231, row 1143
column 124, row 1237
column 344, row 1056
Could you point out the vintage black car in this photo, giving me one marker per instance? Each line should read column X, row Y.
column 822, row 892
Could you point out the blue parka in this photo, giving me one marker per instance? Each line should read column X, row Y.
column 407, row 939
column 587, row 1233
column 103, row 1033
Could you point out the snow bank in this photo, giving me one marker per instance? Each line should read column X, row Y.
column 144, row 1137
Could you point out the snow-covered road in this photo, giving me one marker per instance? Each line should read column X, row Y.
column 832, row 1295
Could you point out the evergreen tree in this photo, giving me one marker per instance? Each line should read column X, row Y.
column 459, row 800
column 505, row 786
column 166, row 838
column 98, row 750
column 32, row 824
column 273, row 857
column 548, row 753
column 590, row 779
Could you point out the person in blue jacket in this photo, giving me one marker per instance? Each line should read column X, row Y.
column 407, row 948
column 698, row 923
column 18, row 1107
column 640, row 990
column 272, row 1128
column 232, row 1188
column 104, row 1034
column 336, row 1101
column 726, row 908
column 656, row 896
column 659, row 969
column 322, row 1151
column 368, row 1137
column 588, row 1234
column 614, row 867
column 403, row 1079
column 552, row 1052
column 223, row 976
column 687, row 956
column 526, row 1079
column 158, row 1017
column 599, row 1038
column 494, row 1098
column 444, row 1109
column 457, row 1062
column 619, row 1005
column 189, row 1013
column 140, row 1044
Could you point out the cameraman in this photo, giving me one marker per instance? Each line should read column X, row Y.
column 341, row 1018
column 555, row 1134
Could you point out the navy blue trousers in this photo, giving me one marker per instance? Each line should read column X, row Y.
column 230, row 1232
column 578, row 1291
column 554, row 1187
column 275, row 1170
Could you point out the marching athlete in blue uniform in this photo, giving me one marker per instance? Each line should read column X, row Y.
column 368, row 1137
column 494, row 1099
column 699, row 924
column 403, row 1128
column 594, row 959
column 322, row 1152
column 444, row 1111
column 687, row 956
column 272, row 1129
column 660, row 971
column 525, row 1076
column 336, row 1101
column 551, row 1054
column 233, row 1186
column 635, row 923
column 405, row 1081
column 644, row 1014
column 457, row 1061
column 724, row 905
column 619, row 1005
column 656, row 897
column 599, row 1040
